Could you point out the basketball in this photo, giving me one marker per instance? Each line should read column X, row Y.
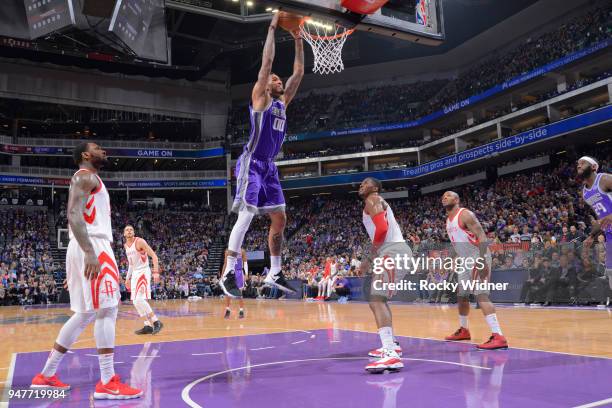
column 289, row 22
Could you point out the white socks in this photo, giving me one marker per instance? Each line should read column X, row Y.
column 275, row 265
column 55, row 357
column 386, row 338
column 107, row 369
column 230, row 264
column 493, row 323
column 463, row 321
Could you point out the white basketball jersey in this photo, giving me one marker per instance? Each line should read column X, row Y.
column 394, row 233
column 137, row 259
column 97, row 213
column 464, row 241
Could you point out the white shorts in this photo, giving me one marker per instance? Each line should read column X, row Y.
column 140, row 284
column 86, row 295
column 396, row 274
column 466, row 277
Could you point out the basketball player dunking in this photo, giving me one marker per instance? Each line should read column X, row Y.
column 470, row 243
column 597, row 192
column 92, row 276
column 258, row 189
column 241, row 272
column 138, row 279
column 387, row 242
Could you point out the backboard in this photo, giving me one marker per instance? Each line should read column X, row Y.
column 412, row 20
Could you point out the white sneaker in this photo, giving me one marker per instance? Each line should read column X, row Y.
column 379, row 351
column 389, row 360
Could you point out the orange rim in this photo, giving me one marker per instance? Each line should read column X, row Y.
column 346, row 33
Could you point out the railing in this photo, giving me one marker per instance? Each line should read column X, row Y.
column 120, row 175
column 32, row 141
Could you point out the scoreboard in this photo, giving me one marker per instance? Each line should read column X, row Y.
column 47, row 16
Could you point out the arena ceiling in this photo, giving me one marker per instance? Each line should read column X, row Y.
column 203, row 40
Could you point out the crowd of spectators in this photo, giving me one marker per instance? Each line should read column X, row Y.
column 541, row 207
column 404, row 102
column 27, row 269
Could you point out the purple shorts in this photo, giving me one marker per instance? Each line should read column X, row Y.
column 258, row 187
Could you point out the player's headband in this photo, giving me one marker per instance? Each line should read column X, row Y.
column 591, row 161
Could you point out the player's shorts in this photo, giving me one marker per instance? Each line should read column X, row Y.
column 258, row 187
column 240, row 284
column 467, row 277
column 381, row 276
column 140, row 284
column 101, row 293
column 608, row 245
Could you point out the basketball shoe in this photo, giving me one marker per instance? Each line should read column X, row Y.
column 157, row 326
column 49, row 383
column 145, row 330
column 115, row 389
column 379, row 351
column 495, row 342
column 228, row 284
column 461, row 334
column 389, row 360
column 280, row 282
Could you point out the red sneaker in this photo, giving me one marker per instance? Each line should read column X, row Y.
column 461, row 334
column 389, row 360
column 49, row 383
column 115, row 389
column 495, row 342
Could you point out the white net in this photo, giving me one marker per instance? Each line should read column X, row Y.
column 327, row 42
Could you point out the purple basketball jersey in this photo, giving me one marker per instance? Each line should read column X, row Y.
column 268, row 129
column 601, row 203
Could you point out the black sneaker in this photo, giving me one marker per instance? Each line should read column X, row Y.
column 241, row 314
column 145, row 330
column 228, row 284
column 157, row 326
column 227, row 314
column 280, row 282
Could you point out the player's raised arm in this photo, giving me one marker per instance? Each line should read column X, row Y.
column 473, row 225
column 293, row 83
column 259, row 95
column 81, row 185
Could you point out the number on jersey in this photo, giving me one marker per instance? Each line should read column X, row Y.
column 599, row 209
column 279, row 124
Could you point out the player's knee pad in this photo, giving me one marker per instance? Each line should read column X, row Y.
column 73, row 328
column 239, row 230
column 104, row 329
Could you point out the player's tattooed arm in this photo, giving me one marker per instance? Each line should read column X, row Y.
column 468, row 219
column 293, row 83
column 81, row 186
column 259, row 95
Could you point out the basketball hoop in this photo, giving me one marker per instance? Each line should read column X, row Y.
column 327, row 41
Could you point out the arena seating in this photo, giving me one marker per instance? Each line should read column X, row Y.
column 404, row 102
